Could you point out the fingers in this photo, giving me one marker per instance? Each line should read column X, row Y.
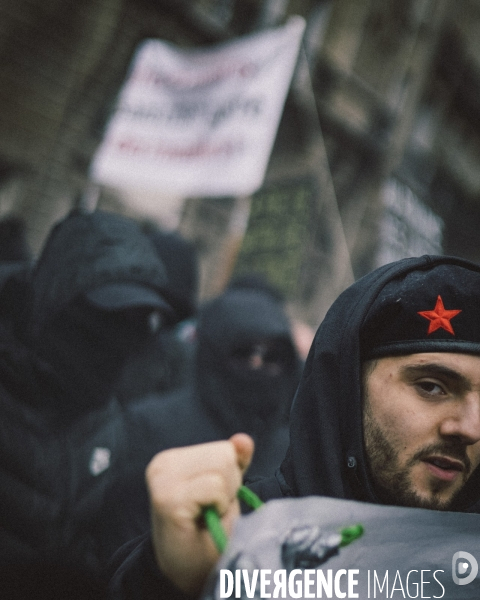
column 226, row 460
column 244, row 447
column 181, row 482
column 182, row 502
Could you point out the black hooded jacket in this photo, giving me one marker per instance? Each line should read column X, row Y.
column 233, row 396
column 326, row 455
column 227, row 398
column 62, row 438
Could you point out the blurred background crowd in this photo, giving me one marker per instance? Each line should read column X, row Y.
column 136, row 317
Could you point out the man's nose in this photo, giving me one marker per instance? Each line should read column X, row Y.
column 463, row 421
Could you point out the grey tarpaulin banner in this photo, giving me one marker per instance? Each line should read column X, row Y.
column 289, row 549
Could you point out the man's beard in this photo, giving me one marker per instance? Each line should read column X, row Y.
column 392, row 481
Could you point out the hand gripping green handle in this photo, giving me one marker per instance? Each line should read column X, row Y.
column 215, row 527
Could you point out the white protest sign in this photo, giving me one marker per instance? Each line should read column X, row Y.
column 200, row 122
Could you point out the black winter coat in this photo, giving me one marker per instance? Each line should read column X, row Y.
column 62, row 434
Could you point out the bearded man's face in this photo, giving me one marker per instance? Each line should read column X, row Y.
column 421, row 424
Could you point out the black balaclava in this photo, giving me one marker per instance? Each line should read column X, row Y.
column 379, row 315
column 77, row 343
column 242, row 399
column 85, row 251
column 84, row 347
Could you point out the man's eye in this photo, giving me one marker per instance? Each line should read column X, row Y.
column 431, row 388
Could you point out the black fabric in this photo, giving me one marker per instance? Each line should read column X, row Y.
column 160, row 367
column 224, row 400
column 166, row 363
column 16, row 270
column 48, row 493
column 62, row 433
column 49, row 581
column 179, row 257
column 75, row 343
column 13, row 240
column 14, row 293
column 235, row 398
column 256, row 281
column 148, row 583
column 84, row 349
column 396, row 323
column 85, row 251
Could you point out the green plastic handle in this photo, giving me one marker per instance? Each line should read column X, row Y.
column 215, row 527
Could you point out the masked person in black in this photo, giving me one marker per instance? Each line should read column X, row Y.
column 245, row 375
column 246, row 371
column 387, row 411
column 166, row 363
column 95, row 296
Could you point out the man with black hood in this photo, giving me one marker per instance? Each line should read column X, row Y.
column 387, row 411
column 94, row 296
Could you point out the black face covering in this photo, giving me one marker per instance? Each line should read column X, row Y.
column 87, row 251
column 80, row 348
column 246, row 363
column 84, row 348
column 268, row 357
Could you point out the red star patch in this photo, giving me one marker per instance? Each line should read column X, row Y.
column 439, row 317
